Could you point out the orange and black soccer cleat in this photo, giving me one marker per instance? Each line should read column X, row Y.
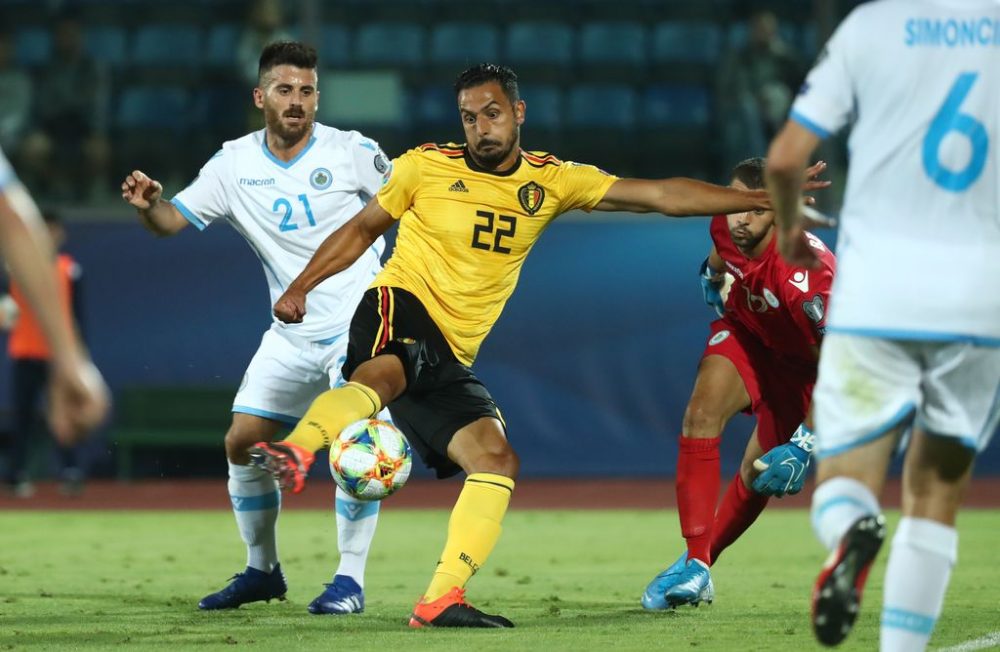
column 836, row 597
column 451, row 610
column 287, row 462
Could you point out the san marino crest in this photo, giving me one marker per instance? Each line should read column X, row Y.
column 531, row 195
column 320, row 179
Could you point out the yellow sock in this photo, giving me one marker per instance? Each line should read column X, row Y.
column 473, row 530
column 333, row 411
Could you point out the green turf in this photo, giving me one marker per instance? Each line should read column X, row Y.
column 570, row 580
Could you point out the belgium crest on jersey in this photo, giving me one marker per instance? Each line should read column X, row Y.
column 531, row 195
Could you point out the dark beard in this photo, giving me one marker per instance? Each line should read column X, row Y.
column 290, row 136
column 492, row 159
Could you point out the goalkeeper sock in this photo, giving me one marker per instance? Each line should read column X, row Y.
column 836, row 505
column 697, row 492
column 331, row 412
column 739, row 508
column 473, row 530
column 923, row 553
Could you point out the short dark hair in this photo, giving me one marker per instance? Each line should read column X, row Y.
column 489, row 72
column 292, row 53
column 751, row 172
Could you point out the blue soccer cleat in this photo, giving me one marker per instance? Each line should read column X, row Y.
column 342, row 596
column 653, row 599
column 693, row 586
column 251, row 585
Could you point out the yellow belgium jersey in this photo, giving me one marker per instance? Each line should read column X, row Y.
column 464, row 232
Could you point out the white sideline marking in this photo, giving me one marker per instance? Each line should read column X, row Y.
column 990, row 640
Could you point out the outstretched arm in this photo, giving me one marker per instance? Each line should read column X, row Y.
column 337, row 253
column 680, row 197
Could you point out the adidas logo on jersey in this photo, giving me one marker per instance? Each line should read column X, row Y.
column 458, row 186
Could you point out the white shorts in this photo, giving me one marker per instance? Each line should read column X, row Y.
column 867, row 386
column 286, row 374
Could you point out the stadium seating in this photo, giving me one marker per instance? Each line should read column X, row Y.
column 107, row 44
column 540, row 51
column 154, row 107
column 33, row 46
column 612, row 51
column 221, row 44
column 335, row 46
column 167, row 46
column 456, row 46
column 389, row 45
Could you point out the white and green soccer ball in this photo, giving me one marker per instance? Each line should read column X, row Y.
column 370, row 459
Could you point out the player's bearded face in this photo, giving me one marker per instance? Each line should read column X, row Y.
column 749, row 229
column 491, row 123
column 289, row 101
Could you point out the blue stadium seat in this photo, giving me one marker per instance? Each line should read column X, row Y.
column 335, row 46
column 676, row 105
column 167, row 45
column 689, row 42
column 221, row 44
column 437, row 106
column 156, row 107
column 602, row 105
column 33, row 46
column 106, row 44
column 464, row 44
column 389, row 44
column 544, row 105
column 540, row 42
column 613, row 42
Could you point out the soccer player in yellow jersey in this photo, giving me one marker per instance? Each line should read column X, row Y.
column 469, row 214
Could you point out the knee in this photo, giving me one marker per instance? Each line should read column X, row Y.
column 238, row 442
column 701, row 421
column 501, row 461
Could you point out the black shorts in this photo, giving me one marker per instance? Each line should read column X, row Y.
column 442, row 394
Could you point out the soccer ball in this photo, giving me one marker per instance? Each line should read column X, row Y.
column 370, row 459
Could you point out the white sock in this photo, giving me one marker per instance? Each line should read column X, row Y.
column 923, row 553
column 256, row 503
column 356, row 520
column 836, row 505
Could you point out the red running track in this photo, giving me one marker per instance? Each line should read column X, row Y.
column 529, row 494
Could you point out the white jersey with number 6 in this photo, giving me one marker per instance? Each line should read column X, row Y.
column 919, row 244
column 286, row 210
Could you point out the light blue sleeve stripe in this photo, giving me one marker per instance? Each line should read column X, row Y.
column 908, row 620
column 188, row 215
column 357, row 511
column 273, row 416
column 256, row 503
column 809, row 124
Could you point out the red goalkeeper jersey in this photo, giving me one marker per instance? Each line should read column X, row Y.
column 782, row 305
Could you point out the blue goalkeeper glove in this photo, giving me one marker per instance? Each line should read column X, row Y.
column 710, row 288
column 783, row 468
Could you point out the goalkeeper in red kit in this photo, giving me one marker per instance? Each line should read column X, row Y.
column 761, row 358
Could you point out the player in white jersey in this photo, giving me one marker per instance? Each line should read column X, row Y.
column 78, row 397
column 913, row 343
column 284, row 189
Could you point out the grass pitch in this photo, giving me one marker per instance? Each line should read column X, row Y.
column 570, row 580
